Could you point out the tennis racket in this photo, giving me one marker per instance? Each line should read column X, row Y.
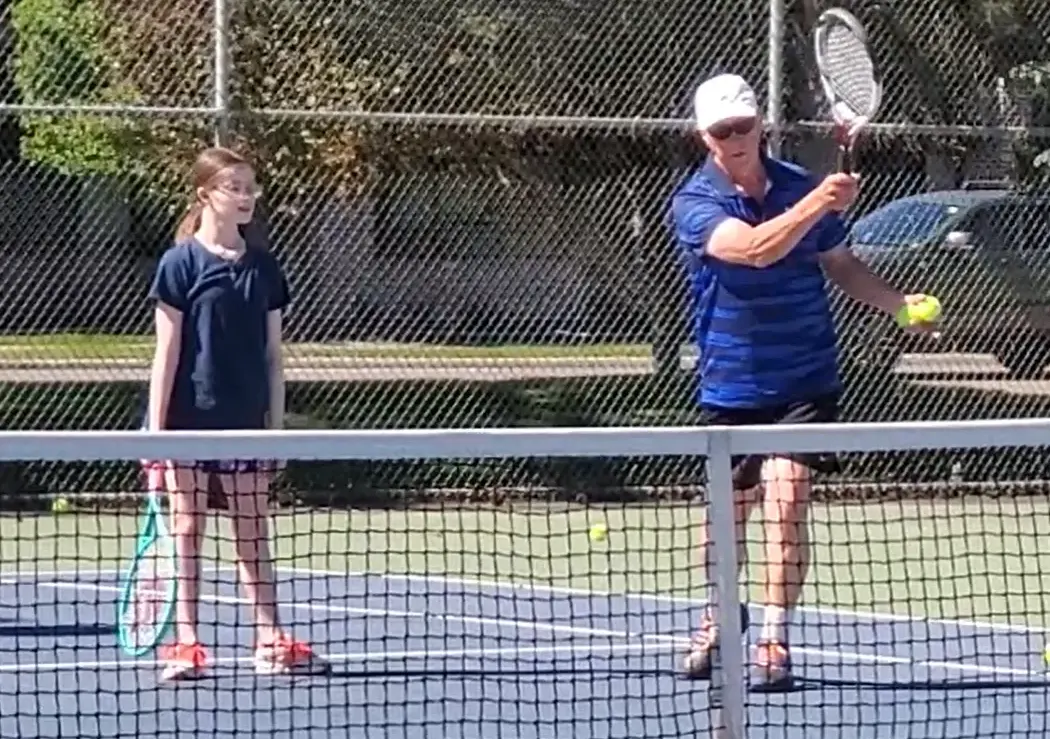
column 147, row 593
column 849, row 77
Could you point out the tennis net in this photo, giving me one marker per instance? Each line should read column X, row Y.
column 460, row 584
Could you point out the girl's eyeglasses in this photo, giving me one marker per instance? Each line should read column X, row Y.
column 244, row 191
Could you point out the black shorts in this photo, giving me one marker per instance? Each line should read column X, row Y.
column 747, row 470
column 210, row 468
column 200, row 421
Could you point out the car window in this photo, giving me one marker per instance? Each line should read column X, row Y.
column 1013, row 226
column 903, row 223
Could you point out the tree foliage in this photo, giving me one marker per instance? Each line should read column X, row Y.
column 591, row 58
column 946, row 61
column 61, row 57
column 99, row 52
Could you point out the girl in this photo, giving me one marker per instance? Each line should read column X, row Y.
column 218, row 366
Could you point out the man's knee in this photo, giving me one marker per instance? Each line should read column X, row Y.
column 787, row 491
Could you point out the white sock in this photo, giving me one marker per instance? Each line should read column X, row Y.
column 774, row 628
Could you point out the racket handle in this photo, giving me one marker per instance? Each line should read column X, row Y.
column 154, row 475
column 845, row 160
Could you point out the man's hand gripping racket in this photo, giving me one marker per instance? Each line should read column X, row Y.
column 848, row 76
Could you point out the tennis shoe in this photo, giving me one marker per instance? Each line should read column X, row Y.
column 183, row 662
column 696, row 663
column 771, row 670
column 289, row 657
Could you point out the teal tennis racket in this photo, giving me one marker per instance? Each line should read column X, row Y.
column 147, row 593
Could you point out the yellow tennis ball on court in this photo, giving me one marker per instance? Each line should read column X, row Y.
column 60, row 505
column 1046, row 654
column 927, row 310
column 599, row 532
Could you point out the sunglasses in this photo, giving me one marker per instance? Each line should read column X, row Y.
column 722, row 131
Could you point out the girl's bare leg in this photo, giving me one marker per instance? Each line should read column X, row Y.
column 248, row 497
column 187, row 495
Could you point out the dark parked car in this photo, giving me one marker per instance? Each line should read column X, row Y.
column 984, row 253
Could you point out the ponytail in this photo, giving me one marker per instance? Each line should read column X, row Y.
column 189, row 223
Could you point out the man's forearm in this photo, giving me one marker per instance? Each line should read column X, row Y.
column 860, row 283
column 772, row 240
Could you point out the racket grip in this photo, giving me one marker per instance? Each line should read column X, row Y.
column 845, row 160
column 154, row 474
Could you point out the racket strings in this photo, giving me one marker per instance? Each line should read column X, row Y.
column 154, row 576
column 848, row 69
column 148, row 607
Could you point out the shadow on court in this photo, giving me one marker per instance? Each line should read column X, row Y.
column 55, row 630
column 936, row 686
column 18, row 630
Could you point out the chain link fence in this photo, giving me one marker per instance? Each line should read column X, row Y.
column 469, row 200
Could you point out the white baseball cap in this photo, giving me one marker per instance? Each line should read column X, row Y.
column 723, row 98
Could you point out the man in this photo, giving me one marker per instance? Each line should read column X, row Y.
column 759, row 236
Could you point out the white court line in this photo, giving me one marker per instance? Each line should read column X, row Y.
column 480, row 584
column 671, row 600
column 539, row 626
column 385, row 656
column 666, row 640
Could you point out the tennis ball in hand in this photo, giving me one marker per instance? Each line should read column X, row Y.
column 60, row 505
column 599, row 532
column 927, row 310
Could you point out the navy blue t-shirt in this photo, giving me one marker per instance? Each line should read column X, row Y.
column 765, row 335
column 222, row 381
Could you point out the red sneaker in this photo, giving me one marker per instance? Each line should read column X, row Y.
column 287, row 656
column 183, row 662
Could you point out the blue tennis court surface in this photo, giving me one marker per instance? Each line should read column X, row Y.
column 430, row 656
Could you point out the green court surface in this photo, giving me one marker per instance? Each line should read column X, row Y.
column 982, row 559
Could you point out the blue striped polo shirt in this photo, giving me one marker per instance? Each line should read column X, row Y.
column 765, row 335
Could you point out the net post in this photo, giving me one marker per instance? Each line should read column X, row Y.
column 727, row 679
